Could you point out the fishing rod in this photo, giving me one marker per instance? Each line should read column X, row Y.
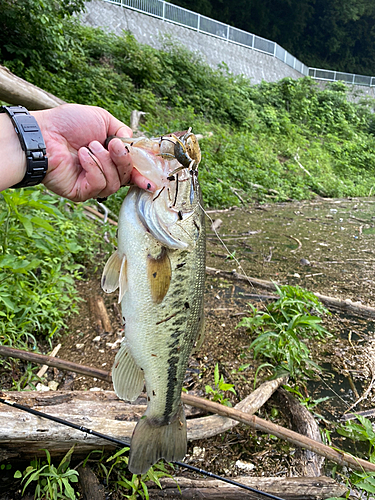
column 126, row 442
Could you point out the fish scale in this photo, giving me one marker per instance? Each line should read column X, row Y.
column 159, row 267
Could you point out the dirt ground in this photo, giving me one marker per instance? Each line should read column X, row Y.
column 326, row 246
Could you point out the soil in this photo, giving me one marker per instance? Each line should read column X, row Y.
column 326, row 246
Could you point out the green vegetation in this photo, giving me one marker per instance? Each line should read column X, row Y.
column 116, row 472
column 323, row 33
column 52, row 482
column 361, row 432
column 217, row 392
column 290, row 136
column 45, row 244
column 283, row 329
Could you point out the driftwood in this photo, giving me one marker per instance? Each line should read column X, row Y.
column 91, row 488
column 346, row 305
column 215, row 424
column 289, row 488
column 98, row 215
column 99, row 314
column 253, row 421
column 15, row 90
column 309, row 463
column 10, row 352
column 262, row 425
column 25, row 435
column 268, row 285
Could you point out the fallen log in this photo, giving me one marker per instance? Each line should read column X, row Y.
column 309, row 464
column 91, row 488
column 215, row 424
column 333, row 303
column 15, row 90
column 289, row 488
column 10, row 352
column 268, row 285
column 262, row 425
column 25, row 435
column 254, row 422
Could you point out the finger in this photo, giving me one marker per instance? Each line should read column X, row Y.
column 121, row 157
column 124, row 131
column 115, row 127
column 142, row 182
column 91, row 181
column 110, row 171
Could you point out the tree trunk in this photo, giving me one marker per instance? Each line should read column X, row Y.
column 15, row 90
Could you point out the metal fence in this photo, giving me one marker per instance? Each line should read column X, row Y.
column 334, row 76
column 188, row 19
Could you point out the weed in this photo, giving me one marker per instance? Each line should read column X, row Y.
column 116, row 471
column 282, row 329
column 363, row 432
column 43, row 243
column 218, row 392
column 52, row 482
column 306, row 401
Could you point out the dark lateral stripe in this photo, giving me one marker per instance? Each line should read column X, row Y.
column 171, row 387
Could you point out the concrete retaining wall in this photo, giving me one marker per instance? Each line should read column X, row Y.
column 240, row 60
column 150, row 30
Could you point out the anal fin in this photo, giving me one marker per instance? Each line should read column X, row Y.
column 127, row 377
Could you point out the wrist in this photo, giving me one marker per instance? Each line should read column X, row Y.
column 13, row 163
column 31, row 142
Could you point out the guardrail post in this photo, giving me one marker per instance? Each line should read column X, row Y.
column 228, row 32
column 163, row 11
column 199, row 22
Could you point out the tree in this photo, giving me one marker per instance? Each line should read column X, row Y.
column 332, row 34
column 31, row 31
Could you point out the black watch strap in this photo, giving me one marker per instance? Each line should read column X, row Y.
column 32, row 143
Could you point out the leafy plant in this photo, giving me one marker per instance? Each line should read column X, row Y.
column 52, row 482
column 218, row 392
column 362, row 432
column 308, row 402
column 282, row 329
column 136, row 485
column 43, row 244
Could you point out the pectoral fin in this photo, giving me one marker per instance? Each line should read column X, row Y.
column 159, row 273
column 127, row 377
column 114, row 275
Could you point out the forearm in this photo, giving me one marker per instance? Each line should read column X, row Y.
column 13, row 159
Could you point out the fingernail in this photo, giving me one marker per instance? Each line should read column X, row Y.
column 96, row 147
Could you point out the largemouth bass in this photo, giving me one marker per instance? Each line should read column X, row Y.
column 159, row 268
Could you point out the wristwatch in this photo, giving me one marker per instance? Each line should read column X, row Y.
column 32, row 143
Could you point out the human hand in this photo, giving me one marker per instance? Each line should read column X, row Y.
column 79, row 167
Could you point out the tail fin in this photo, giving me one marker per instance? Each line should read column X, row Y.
column 151, row 442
